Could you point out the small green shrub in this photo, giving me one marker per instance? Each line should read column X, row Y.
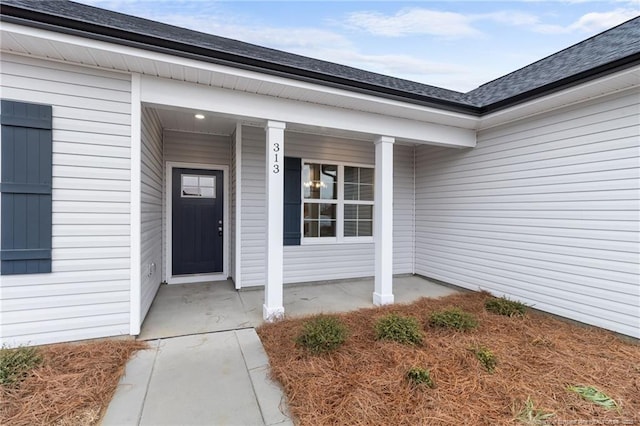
column 322, row 334
column 453, row 318
column 504, row 306
column 16, row 363
column 486, row 358
column 399, row 329
column 420, row 376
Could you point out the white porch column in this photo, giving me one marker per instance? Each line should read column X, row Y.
column 273, row 307
column 383, row 221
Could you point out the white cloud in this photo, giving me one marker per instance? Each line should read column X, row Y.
column 279, row 38
column 449, row 24
column 507, row 17
column 591, row 23
column 594, row 22
column 413, row 21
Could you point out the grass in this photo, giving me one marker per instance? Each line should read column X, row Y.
column 397, row 328
column 504, row 306
column 322, row 334
column 454, row 318
column 17, row 363
column 367, row 381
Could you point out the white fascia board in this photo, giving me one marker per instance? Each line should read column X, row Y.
column 603, row 86
column 132, row 56
column 165, row 92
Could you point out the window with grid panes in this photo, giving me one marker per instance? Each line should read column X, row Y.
column 334, row 191
column 358, row 201
column 320, row 195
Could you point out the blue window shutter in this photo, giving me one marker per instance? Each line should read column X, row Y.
column 292, row 200
column 25, row 187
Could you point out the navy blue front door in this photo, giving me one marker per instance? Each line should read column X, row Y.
column 197, row 204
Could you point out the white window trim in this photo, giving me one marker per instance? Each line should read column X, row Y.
column 340, row 202
column 195, row 278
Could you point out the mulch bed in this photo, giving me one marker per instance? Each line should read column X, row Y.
column 73, row 386
column 539, row 356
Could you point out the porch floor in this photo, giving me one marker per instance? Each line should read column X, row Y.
column 186, row 309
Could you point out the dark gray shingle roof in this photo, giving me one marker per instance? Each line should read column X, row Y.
column 615, row 45
column 610, row 46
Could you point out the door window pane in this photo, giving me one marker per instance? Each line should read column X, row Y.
column 198, row 186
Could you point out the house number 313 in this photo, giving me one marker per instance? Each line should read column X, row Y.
column 276, row 160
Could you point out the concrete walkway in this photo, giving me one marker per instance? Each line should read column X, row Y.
column 206, row 379
column 184, row 309
column 207, row 366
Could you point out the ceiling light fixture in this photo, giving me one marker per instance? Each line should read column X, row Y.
column 200, row 116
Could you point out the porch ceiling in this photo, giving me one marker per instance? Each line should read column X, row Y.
column 185, row 121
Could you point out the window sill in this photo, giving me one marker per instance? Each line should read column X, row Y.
column 336, row 241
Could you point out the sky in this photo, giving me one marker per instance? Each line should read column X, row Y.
column 457, row 45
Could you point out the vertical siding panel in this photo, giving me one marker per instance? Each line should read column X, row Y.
column 544, row 210
column 151, row 206
column 91, row 138
column 253, row 220
column 403, row 209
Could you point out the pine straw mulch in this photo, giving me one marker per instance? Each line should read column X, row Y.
column 73, row 385
column 363, row 382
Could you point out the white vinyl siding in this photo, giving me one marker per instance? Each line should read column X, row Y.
column 319, row 262
column 87, row 293
column 151, row 208
column 403, row 209
column 253, row 241
column 200, row 148
column 196, row 148
column 543, row 210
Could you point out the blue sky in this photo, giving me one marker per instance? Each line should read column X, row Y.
column 454, row 44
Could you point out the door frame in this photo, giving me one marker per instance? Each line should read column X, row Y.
column 168, row 208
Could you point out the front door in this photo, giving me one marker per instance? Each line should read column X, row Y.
column 197, row 214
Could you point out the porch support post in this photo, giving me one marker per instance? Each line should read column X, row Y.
column 273, row 307
column 383, row 221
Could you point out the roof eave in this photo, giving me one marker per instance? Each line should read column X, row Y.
column 574, row 80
